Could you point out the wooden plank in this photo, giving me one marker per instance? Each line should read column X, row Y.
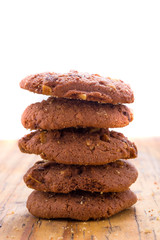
column 137, row 223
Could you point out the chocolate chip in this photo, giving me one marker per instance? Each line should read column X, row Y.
column 127, row 115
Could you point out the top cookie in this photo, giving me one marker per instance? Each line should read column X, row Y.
column 83, row 86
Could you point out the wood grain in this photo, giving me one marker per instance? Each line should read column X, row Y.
column 137, row 223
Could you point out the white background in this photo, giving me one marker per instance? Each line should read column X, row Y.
column 120, row 39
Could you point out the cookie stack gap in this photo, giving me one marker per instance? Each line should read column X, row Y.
column 82, row 175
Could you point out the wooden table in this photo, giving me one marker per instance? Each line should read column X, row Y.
column 142, row 221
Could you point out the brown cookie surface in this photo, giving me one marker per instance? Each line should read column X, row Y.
column 50, row 177
column 83, row 86
column 65, row 113
column 79, row 205
column 79, row 146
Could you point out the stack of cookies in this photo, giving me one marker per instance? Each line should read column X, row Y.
column 82, row 175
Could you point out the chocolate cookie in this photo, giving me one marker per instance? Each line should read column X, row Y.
column 50, row 177
column 83, row 86
column 79, row 146
column 79, row 205
column 64, row 113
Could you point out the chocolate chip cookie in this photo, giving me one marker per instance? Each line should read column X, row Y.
column 79, row 205
column 83, row 86
column 79, row 146
column 64, row 113
column 47, row 176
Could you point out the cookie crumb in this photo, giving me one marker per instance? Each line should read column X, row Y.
column 72, row 230
column 11, row 213
column 15, row 228
column 147, row 231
